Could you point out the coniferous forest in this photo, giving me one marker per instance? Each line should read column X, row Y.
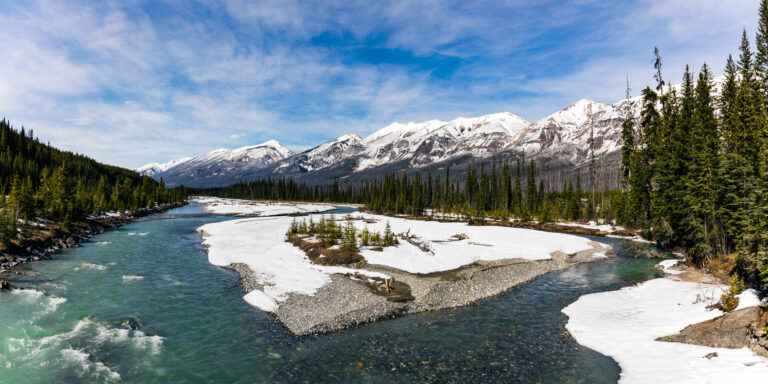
column 694, row 173
column 38, row 182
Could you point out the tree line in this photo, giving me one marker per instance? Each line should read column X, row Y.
column 499, row 190
column 38, row 181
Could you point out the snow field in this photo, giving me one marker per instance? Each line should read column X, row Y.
column 624, row 325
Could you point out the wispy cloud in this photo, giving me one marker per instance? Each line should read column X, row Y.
column 129, row 83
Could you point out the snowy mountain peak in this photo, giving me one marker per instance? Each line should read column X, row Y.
column 348, row 137
column 154, row 169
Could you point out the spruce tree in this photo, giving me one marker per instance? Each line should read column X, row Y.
column 701, row 199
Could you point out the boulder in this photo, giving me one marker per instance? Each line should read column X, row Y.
column 731, row 330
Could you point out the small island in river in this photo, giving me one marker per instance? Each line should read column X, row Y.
column 436, row 265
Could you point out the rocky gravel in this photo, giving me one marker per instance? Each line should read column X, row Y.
column 346, row 302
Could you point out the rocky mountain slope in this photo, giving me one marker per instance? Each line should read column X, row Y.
column 566, row 137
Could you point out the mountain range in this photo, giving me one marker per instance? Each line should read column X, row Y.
column 564, row 138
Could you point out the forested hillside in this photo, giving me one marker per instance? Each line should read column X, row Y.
column 41, row 183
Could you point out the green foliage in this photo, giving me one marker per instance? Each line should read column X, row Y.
column 44, row 182
column 699, row 179
column 389, row 238
column 349, row 239
column 729, row 301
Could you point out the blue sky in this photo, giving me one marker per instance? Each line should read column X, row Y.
column 128, row 82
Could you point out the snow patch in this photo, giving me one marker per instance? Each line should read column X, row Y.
column 238, row 207
column 666, row 266
column 625, row 324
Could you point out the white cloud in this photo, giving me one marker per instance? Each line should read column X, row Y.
column 125, row 86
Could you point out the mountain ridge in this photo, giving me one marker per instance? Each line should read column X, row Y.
column 568, row 136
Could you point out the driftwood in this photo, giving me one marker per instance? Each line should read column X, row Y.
column 389, row 285
column 456, row 237
column 416, row 242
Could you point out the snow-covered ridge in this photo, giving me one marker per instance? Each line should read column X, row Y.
column 569, row 135
column 224, row 162
column 153, row 169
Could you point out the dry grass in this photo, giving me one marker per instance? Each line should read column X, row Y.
column 721, row 267
column 324, row 255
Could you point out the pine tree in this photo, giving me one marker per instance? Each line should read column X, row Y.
column 628, row 140
column 517, row 192
column 389, row 237
column 365, row 237
column 642, row 171
column 506, row 188
column 349, row 240
column 701, row 198
column 762, row 46
column 530, row 190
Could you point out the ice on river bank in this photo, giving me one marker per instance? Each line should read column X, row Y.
column 625, row 324
column 238, row 207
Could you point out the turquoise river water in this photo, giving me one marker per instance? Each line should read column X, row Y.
column 141, row 304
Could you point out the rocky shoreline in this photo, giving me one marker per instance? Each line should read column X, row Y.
column 347, row 301
column 81, row 231
column 742, row 328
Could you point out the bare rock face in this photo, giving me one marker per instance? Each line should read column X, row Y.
column 737, row 329
column 728, row 331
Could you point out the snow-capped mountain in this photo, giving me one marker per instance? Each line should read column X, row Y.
column 435, row 140
column 322, row 156
column 568, row 133
column 566, row 136
column 223, row 165
column 154, row 169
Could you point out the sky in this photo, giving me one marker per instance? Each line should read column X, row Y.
column 129, row 82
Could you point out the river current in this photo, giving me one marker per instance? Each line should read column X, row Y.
column 141, row 304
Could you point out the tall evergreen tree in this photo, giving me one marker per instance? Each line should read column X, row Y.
column 701, row 199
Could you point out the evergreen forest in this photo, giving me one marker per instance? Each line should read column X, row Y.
column 40, row 184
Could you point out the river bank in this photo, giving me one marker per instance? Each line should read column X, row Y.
column 44, row 246
column 669, row 329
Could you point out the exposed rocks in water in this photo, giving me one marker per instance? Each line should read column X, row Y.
column 132, row 323
column 4, row 285
column 35, row 250
column 348, row 301
column 737, row 329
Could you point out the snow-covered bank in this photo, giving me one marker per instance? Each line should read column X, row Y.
column 667, row 265
column 625, row 324
column 592, row 225
column 281, row 268
column 482, row 243
column 238, row 207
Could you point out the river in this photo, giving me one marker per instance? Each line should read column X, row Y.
column 141, row 304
